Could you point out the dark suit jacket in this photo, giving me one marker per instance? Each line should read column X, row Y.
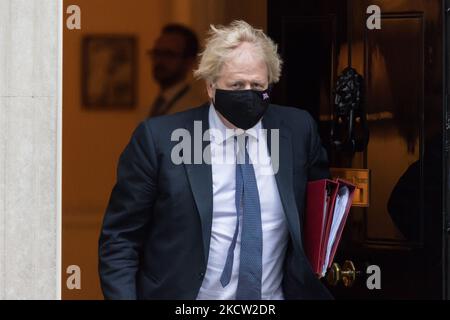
column 156, row 231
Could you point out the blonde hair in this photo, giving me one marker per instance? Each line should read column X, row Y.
column 223, row 40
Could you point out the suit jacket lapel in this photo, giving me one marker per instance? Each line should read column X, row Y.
column 200, row 179
column 200, row 176
column 284, row 176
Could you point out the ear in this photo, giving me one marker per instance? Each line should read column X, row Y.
column 211, row 90
column 190, row 64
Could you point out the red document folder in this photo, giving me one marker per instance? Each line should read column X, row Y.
column 327, row 205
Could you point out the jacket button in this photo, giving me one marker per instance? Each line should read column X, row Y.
column 201, row 275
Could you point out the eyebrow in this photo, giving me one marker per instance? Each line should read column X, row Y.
column 251, row 81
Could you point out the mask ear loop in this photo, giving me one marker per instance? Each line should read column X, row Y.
column 213, row 86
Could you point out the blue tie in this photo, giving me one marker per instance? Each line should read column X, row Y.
column 247, row 205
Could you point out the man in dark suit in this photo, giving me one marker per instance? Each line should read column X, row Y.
column 184, row 224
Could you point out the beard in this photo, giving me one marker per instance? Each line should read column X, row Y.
column 166, row 77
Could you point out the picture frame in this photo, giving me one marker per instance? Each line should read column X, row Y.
column 109, row 72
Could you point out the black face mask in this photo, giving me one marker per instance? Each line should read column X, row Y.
column 243, row 108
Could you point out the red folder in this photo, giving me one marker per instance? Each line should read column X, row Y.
column 325, row 220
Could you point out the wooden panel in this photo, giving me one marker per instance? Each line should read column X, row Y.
column 308, row 49
column 395, row 94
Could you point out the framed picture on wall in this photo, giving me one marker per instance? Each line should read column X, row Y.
column 109, row 71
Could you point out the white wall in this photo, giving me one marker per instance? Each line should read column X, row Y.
column 29, row 153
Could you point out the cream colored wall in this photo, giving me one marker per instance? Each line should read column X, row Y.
column 93, row 140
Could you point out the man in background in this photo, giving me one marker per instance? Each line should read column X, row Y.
column 174, row 56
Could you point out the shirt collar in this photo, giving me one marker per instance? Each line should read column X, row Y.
column 220, row 133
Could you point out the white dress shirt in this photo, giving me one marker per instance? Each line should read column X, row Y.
column 274, row 225
column 196, row 95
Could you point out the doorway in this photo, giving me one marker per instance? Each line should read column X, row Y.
column 401, row 231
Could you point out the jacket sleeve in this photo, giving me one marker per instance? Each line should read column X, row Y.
column 317, row 157
column 127, row 216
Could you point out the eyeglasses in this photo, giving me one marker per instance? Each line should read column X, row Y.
column 164, row 54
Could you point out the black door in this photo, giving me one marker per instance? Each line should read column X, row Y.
column 403, row 230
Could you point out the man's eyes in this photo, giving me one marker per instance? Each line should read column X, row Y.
column 241, row 86
column 237, row 85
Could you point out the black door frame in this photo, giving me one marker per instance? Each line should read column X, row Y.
column 445, row 114
column 446, row 153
